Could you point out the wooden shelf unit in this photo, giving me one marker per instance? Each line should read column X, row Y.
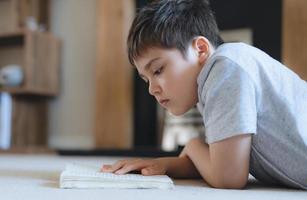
column 38, row 55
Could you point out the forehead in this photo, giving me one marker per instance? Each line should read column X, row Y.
column 153, row 53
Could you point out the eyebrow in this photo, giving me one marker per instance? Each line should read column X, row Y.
column 148, row 65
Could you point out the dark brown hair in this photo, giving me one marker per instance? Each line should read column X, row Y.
column 171, row 24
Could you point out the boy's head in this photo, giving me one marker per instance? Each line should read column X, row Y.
column 171, row 24
column 173, row 38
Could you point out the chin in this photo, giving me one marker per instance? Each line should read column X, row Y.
column 178, row 112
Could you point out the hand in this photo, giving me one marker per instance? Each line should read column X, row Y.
column 148, row 167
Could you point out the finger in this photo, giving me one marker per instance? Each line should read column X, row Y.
column 105, row 168
column 134, row 166
column 119, row 164
column 114, row 167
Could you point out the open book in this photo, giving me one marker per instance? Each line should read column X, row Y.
column 83, row 176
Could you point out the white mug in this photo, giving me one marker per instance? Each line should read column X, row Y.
column 11, row 75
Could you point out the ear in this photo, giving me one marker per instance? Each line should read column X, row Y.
column 202, row 46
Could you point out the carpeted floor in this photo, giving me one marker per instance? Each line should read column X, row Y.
column 36, row 177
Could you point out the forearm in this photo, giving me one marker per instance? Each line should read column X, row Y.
column 198, row 153
column 180, row 167
column 223, row 166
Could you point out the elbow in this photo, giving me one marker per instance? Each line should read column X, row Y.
column 229, row 183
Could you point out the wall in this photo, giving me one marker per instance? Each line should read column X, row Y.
column 71, row 114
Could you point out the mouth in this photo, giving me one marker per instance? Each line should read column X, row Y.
column 164, row 102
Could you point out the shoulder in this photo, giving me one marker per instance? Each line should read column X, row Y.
column 226, row 83
column 227, row 56
column 218, row 70
column 234, row 49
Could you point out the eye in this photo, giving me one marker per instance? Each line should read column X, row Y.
column 158, row 72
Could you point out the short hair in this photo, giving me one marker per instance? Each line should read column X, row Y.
column 171, row 24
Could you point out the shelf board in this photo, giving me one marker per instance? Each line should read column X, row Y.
column 23, row 91
column 12, row 33
column 20, row 32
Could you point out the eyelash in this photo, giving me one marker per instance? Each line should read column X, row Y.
column 158, row 72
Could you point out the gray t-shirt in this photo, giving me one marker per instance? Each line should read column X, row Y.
column 243, row 90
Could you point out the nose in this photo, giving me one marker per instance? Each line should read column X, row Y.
column 154, row 88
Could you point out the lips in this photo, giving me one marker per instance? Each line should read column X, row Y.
column 164, row 102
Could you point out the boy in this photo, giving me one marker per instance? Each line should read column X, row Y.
column 254, row 108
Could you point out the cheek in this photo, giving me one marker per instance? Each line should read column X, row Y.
column 179, row 80
column 176, row 74
column 170, row 81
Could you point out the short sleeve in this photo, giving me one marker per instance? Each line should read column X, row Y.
column 229, row 102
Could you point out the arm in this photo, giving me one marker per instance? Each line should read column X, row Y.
column 177, row 167
column 223, row 164
column 181, row 167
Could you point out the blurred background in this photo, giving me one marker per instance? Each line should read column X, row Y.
column 67, row 85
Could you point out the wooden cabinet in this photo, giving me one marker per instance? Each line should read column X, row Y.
column 29, row 121
column 37, row 54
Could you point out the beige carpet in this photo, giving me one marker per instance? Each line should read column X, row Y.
column 36, row 177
